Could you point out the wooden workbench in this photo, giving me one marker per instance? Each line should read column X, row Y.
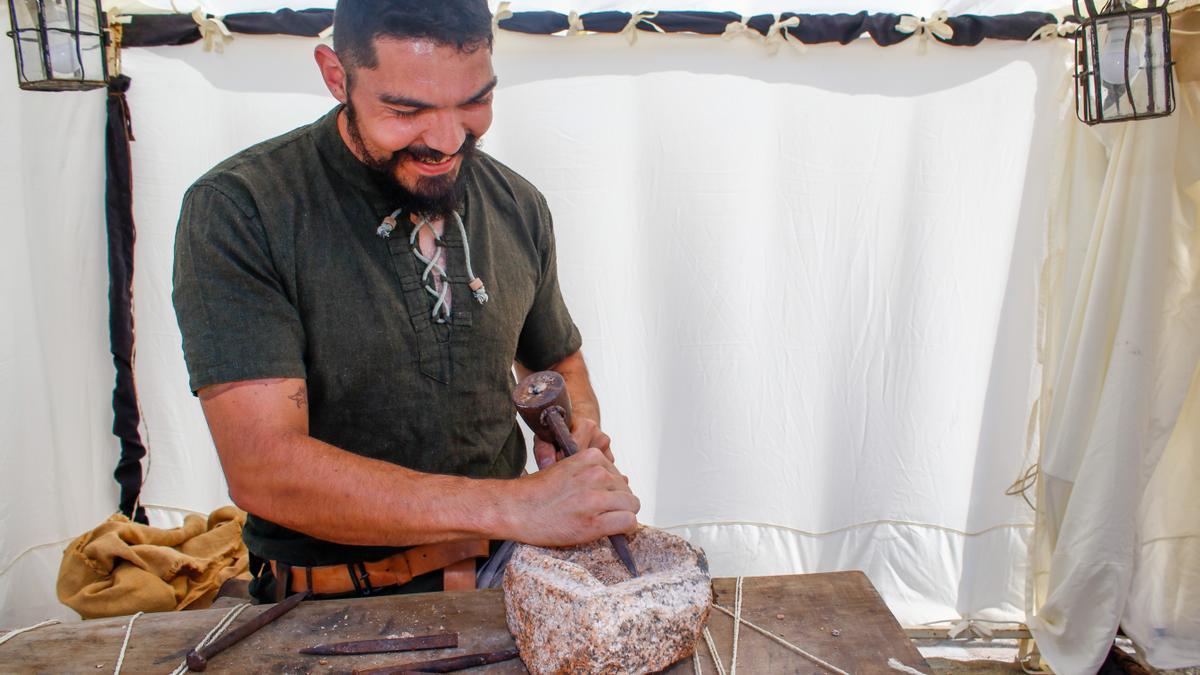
column 839, row 617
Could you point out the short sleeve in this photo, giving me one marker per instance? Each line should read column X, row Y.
column 549, row 335
column 234, row 313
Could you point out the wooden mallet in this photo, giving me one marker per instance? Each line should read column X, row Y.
column 545, row 405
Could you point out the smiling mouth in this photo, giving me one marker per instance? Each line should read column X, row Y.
column 433, row 166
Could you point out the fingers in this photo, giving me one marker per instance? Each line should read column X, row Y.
column 543, row 453
column 593, row 456
column 587, row 434
column 575, row 500
column 617, row 522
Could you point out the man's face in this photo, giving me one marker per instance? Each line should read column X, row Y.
column 417, row 115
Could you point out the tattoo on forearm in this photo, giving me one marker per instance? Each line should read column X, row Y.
column 300, row 397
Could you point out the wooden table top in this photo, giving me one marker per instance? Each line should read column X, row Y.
column 838, row 617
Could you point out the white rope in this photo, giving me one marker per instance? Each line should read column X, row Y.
column 478, row 291
column 923, row 28
column 737, row 624
column 785, row 643
column 439, row 287
column 125, row 644
column 14, row 633
column 712, row 651
column 896, row 665
column 213, row 634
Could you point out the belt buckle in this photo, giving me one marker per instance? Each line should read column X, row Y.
column 362, row 584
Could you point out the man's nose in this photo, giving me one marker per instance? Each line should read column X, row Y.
column 445, row 132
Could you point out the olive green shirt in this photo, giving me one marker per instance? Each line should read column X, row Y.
column 279, row 272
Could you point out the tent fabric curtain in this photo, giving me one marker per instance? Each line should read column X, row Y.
column 57, row 451
column 1117, row 540
column 808, row 312
column 153, row 30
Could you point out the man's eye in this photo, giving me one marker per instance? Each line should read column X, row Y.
column 483, row 101
column 404, row 113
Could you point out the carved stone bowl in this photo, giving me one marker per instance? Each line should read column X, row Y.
column 578, row 610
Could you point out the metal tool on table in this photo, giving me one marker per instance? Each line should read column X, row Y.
column 447, row 665
column 545, row 405
column 385, row 645
column 197, row 659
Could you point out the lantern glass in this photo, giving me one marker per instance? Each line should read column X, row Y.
column 1123, row 66
column 59, row 44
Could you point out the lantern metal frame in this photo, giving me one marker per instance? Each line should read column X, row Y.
column 42, row 32
column 1090, row 88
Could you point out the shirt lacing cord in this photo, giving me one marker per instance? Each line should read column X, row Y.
column 434, row 265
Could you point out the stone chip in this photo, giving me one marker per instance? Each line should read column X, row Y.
column 578, row 610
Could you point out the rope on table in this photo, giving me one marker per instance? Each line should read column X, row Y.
column 712, row 646
column 811, row 657
column 125, row 643
column 14, row 633
column 213, row 634
column 737, row 624
column 712, row 651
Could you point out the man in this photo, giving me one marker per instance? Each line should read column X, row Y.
column 353, row 296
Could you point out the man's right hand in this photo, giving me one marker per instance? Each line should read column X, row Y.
column 576, row 500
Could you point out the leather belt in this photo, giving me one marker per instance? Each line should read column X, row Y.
column 457, row 558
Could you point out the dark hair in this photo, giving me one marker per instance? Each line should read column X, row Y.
column 463, row 24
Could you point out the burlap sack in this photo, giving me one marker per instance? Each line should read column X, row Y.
column 124, row 567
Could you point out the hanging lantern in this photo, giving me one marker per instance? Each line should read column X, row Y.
column 1123, row 62
column 59, row 44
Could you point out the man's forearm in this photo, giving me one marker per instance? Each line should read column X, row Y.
column 579, row 386
column 277, row 471
column 325, row 492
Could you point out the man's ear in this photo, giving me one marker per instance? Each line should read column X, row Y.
column 332, row 72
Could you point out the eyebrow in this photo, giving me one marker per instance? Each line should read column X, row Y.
column 395, row 99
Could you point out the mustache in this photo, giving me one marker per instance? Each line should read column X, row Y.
column 426, row 153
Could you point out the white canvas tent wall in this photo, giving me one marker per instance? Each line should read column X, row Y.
column 808, row 286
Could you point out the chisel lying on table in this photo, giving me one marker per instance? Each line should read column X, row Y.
column 384, row 645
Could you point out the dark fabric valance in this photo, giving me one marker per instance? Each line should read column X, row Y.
column 152, row 30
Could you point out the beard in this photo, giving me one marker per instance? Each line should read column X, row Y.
column 432, row 196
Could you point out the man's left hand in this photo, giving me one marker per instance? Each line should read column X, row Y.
column 587, row 434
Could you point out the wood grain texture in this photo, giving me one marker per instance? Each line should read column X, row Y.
column 812, row 605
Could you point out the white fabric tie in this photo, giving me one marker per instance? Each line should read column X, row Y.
column 630, row 30
column 502, row 13
column 1051, row 30
column 213, row 30
column 116, row 16
column 574, row 24
column 922, row 27
column 736, row 28
column 778, row 34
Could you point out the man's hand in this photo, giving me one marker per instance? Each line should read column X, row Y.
column 576, row 500
column 587, row 434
